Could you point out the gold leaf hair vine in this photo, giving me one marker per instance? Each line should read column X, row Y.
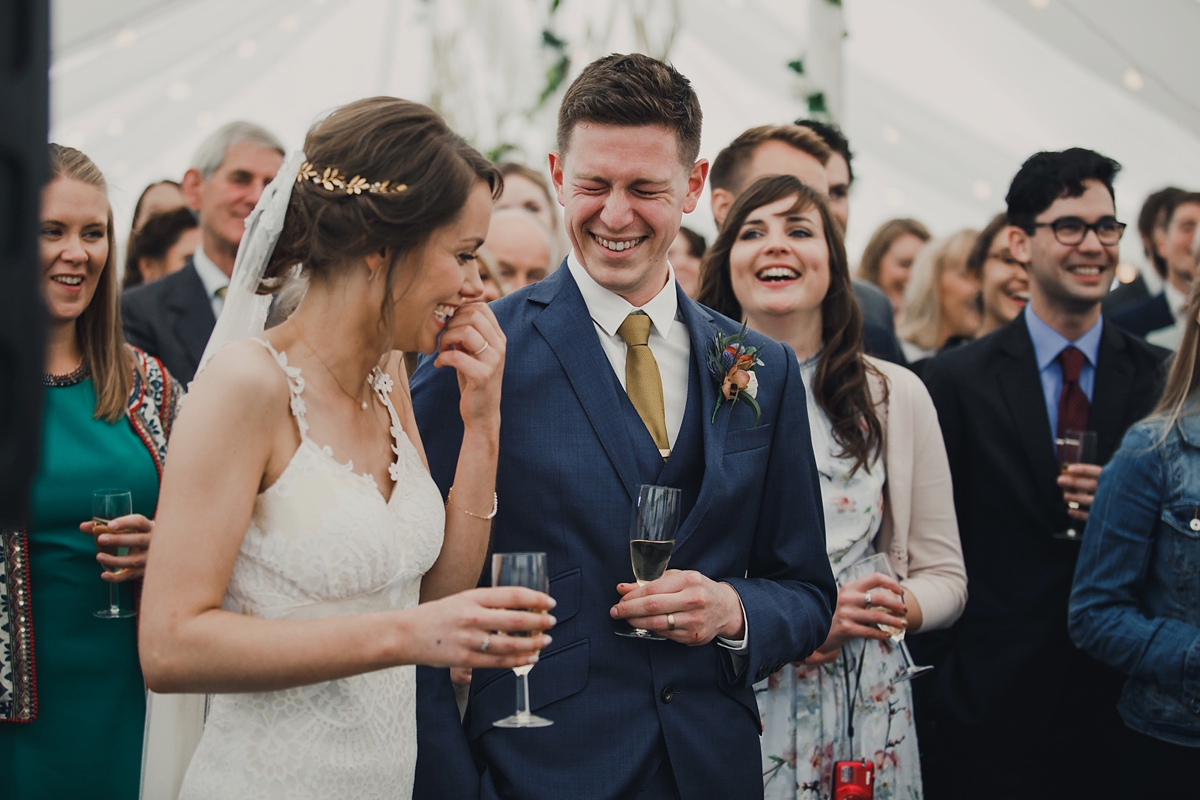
column 333, row 181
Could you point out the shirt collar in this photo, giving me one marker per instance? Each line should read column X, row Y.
column 609, row 310
column 1176, row 299
column 1048, row 343
column 210, row 274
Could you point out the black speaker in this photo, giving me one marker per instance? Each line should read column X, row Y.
column 24, row 126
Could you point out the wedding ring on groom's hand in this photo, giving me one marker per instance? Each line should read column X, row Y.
column 487, row 642
column 670, row 622
column 479, row 352
column 867, row 600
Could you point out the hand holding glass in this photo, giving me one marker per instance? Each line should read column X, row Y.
column 1075, row 447
column 879, row 563
column 651, row 541
column 528, row 570
column 107, row 505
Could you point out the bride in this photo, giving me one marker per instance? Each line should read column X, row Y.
column 298, row 525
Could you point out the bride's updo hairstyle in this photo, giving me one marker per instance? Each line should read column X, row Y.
column 381, row 173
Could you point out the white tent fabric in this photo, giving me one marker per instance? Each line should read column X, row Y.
column 943, row 99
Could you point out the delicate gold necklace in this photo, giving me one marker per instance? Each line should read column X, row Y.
column 327, row 369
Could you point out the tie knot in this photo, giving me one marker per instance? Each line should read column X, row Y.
column 1072, row 363
column 220, row 291
column 635, row 330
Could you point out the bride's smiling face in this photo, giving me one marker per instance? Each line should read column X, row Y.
column 447, row 276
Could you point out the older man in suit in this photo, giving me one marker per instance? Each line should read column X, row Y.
column 606, row 387
column 172, row 318
column 1019, row 712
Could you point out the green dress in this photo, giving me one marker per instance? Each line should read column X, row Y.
column 86, row 740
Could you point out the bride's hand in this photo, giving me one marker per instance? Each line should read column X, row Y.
column 474, row 346
column 132, row 531
column 451, row 632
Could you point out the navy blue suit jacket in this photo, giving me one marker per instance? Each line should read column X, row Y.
column 1144, row 315
column 567, row 480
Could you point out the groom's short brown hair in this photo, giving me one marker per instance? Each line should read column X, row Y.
column 633, row 89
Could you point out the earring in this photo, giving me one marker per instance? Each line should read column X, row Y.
column 371, row 275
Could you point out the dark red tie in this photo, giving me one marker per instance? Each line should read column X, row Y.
column 1073, row 405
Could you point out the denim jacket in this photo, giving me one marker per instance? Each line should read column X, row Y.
column 1136, row 599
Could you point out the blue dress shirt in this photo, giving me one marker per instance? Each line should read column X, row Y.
column 1047, row 344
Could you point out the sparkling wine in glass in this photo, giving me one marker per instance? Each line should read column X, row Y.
column 528, row 570
column 651, row 540
column 107, row 505
column 879, row 563
column 1075, row 447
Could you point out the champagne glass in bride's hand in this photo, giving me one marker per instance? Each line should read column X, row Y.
column 651, row 540
column 528, row 570
column 107, row 505
column 879, row 563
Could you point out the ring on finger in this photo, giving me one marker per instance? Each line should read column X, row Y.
column 1073, row 505
column 480, row 351
column 867, row 600
column 670, row 622
column 487, row 642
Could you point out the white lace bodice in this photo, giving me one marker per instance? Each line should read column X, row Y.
column 323, row 542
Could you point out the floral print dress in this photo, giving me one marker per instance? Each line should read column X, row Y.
column 806, row 710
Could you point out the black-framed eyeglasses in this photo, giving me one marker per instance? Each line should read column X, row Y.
column 1071, row 231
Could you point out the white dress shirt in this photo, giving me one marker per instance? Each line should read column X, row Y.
column 212, row 277
column 669, row 342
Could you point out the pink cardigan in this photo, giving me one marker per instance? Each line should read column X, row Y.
column 919, row 530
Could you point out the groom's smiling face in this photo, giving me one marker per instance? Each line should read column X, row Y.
column 624, row 192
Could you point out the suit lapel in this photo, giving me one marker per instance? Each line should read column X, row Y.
column 567, row 327
column 192, row 314
column 1021, row 386
column 1111, row 394
column 701, row 330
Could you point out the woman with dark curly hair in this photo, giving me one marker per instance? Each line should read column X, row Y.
column 779, row 264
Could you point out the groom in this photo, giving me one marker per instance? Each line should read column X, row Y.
column 607, row 387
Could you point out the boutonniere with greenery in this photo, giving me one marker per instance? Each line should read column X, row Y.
column 732, row 364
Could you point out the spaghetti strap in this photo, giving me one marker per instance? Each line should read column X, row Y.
column 295, row 386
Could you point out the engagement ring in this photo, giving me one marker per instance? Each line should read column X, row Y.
column 487, row 642
column 867, row 600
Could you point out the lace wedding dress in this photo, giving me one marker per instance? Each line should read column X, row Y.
column 323, row 542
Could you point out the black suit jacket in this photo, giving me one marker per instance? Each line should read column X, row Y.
column 1006, row 662
column 171, row 319
column 1143, row 316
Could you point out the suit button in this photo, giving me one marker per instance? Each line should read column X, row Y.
column 668, row 694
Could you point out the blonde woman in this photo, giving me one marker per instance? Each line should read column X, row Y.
column 73, row 680
column 941, row 301
column 1134, row 603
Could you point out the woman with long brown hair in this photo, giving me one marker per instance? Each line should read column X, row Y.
column 1135, row 603
column 73, row 679
column 779, row 264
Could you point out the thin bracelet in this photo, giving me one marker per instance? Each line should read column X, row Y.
column 495, row 505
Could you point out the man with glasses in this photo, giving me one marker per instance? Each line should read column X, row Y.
column 1017, row 710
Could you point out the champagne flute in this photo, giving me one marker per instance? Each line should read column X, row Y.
column 879, row 563
column 107, row 505
column 1075, row 447
column 528, row 570
column 651, row 540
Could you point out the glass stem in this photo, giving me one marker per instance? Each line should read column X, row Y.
column 523, row 696
column 114, row 605
column 908, row 662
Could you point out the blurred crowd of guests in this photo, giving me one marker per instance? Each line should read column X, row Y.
column 942, row 375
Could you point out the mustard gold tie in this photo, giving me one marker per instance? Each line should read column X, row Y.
column 221, row 291
column 643, row 382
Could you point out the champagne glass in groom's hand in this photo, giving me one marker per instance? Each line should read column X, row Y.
column 528, row 570
column 651, row 541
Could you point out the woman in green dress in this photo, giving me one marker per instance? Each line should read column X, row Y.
column 70, row 683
